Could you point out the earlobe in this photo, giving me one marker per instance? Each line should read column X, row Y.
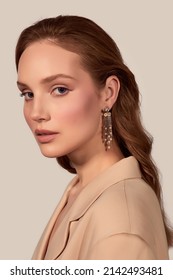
column 112, row 88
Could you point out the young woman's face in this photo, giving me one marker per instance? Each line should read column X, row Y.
column 62, row 105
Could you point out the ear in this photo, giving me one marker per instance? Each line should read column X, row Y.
column 111, row 91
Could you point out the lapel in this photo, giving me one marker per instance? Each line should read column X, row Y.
column 41, row 248
column 124, row 169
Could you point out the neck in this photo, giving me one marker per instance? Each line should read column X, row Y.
column 89, row 165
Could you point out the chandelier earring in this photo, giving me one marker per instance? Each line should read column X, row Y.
column 107, row 128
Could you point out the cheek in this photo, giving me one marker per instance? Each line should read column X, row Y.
column 80, row 112
column 26, row 116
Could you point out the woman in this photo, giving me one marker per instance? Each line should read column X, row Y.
column 82, row 105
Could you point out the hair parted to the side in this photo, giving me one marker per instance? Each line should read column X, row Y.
column 101, row 57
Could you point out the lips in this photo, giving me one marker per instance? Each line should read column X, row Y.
column 44, row 132
column 45, row 136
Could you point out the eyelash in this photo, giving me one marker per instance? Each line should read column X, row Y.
column 24, row 94
column 60, row 88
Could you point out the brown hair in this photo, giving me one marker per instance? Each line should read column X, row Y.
column 101, row 57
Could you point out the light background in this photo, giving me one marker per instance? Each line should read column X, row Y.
column 31, row 185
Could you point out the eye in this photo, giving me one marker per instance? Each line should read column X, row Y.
column 60, row 91
column 27, row 95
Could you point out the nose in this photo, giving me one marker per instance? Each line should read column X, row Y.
column 39, row 111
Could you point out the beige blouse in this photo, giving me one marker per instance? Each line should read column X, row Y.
column 116, row 216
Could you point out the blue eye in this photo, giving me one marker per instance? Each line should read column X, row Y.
column 60, row 90
column 27, row 95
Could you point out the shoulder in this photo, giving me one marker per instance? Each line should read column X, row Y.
column 129, row 206
column 127, row 198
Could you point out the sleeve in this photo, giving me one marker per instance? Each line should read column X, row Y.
column 121, row 247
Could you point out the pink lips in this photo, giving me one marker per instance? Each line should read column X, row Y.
column 45, row 136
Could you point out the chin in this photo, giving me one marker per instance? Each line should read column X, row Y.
column 51, row 153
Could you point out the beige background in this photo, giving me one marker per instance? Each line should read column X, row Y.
column 31, row 185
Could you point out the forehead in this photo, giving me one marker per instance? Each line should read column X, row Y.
column 43, row 59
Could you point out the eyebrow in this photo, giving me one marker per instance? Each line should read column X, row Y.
column 49, row 79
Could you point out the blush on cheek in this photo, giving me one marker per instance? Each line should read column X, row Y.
column 25, row 115
column 83, row 108
column 71, row 116
column 27, row 118
column 79, row 115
